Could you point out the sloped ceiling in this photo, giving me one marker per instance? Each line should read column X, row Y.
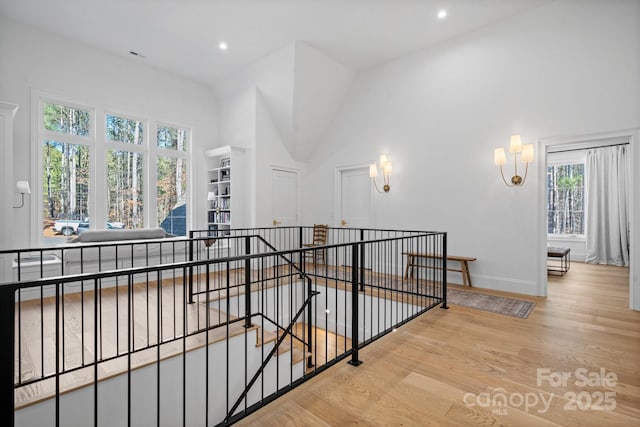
column 182, row 36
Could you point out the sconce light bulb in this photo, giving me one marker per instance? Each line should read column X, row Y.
column 516, row 144
column 373, row 170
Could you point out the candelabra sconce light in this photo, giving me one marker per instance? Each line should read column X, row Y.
column 526, row 156
column 23, row 188
column 385, row 165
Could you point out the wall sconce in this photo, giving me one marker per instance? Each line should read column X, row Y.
column 515, row 147
column 385, row 165
column 23, row 188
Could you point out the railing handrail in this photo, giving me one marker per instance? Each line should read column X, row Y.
column 349, row 252
column 284, row 227
column 273, row 351
column 112, row 243
column 185, row 239
column 184, row 264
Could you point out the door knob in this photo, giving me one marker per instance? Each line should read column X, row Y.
column 276, row 222
column 343, row 222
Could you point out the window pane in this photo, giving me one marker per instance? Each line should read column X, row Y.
column 63, row 119
column 171, row 195
column 65, row 188
column 172, row 138
column 124, row 190
column 565, row 199
column 124, row 130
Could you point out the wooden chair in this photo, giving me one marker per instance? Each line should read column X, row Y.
column 319, row 239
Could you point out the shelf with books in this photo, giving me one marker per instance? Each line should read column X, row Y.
column 224, row 178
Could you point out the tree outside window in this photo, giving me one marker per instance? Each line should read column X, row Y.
column 565, row 199
column 125, row 172
column 68, row 154
column 65, row 142
column 172, row 179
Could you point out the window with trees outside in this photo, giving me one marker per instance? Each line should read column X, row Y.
column 171, row 172
column 565, row 199
column 128, row 178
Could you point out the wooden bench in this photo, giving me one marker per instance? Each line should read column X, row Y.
column 413, row 257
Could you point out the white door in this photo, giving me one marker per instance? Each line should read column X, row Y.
column 354, row 198
column 284, row 197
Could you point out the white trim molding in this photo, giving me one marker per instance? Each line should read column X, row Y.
column 544, row 147
column 7, row 193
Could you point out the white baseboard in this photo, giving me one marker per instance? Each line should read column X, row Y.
column 504, row 284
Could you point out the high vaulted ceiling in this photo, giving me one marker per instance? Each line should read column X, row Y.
column 182, row 36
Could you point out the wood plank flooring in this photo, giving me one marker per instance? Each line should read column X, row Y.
column 452, row 367
column 36, row 321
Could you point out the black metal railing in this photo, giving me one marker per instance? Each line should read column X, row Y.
column 226, row 326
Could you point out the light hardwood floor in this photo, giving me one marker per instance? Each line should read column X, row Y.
column 440, row 368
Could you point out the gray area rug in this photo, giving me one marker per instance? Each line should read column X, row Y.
column 492, row 303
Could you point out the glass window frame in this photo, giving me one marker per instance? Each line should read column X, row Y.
column 562, row 159
column 43, row 135
column 99, row 146
column 173, row 154
column 142, row 149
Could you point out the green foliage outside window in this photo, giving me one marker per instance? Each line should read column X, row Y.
column 172, row 138
column 66, row 168
column 171, row 188
column 565, row 199
column 64, row 119
column 124, row 130
column 125, row 189
column 65, row 183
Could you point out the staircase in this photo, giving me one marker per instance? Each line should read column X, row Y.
column 230, row 360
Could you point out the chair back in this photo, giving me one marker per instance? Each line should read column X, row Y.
column 320, row 234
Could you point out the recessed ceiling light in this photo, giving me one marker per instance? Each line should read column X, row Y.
column 223, row 46
column 442, row 14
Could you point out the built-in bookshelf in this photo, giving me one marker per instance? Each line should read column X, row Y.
column 224, row 190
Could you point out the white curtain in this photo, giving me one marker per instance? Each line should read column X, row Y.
column 607, row 189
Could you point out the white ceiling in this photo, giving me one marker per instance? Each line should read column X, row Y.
column 182, row 36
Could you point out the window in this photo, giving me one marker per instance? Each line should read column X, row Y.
column 565, row 199
column 65, row 152
column 171, row 189
column 125, row 172
column 128, row 177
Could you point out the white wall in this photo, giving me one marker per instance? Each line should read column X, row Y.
column 33, row 60
column 7, row 184
column 320, row 84
column 565, row 68
column 273, row 75
column 270, row 152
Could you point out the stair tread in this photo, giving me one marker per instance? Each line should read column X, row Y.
column 298, row 352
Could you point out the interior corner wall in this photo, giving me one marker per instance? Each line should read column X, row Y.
column 273, row 75
column 33, row 60
column 565, row 68
column 256, row 109
column 238, row 129
column 270, row 152
column 320, row 84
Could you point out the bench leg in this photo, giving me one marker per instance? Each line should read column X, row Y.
column 466, row 277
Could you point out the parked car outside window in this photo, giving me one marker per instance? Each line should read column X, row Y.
column 84, row 226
